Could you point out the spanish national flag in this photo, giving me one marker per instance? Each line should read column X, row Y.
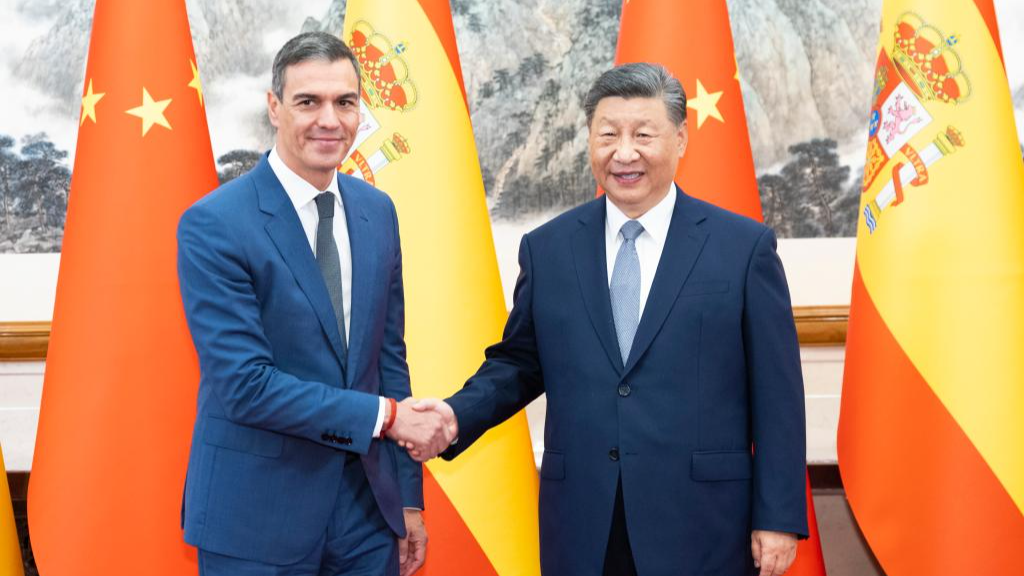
column 931, row 429
column 694, row 41
column 119, row 393
column 10, row 548
column 416, row 143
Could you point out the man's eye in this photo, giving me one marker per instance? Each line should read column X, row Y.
column 306, row 102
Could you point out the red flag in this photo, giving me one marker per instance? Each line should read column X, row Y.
column 694, row 41
column 121, row 373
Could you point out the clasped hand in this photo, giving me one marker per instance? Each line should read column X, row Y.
column 424, row 427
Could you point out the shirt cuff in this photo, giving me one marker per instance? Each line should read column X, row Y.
column 380, row 417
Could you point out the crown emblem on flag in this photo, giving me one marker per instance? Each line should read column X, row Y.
column 384, row 73
column 928, row 61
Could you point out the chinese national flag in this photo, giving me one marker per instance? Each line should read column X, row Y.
column 694, row 41
column 121, row 373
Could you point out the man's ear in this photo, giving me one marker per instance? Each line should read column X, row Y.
column 273, row 107
column 682, row 138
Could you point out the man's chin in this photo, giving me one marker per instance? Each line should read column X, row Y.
column 330, row 162
column 626, row 193
column 327, row 156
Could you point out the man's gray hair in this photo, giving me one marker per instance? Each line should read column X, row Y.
column 309, row 46
column 638, row 80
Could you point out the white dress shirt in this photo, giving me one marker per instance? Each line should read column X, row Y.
column 649, row 244
column 303, row 196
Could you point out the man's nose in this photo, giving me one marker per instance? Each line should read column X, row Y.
column 327, row 117
column 625, row 151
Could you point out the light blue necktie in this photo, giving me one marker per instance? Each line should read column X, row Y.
column 329, row 261
column 625, row 288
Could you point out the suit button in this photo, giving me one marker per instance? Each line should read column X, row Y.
column 613, row 454
column 624, row 390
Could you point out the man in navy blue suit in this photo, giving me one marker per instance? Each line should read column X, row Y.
column 661, row 330
column 291, row 277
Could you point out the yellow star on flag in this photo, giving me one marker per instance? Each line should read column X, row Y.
column 706, row 104
column 89, row 104
column 196, row 84
column 151, row 112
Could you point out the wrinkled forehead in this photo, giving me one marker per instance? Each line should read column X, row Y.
column 632, row 110
column 330, row 72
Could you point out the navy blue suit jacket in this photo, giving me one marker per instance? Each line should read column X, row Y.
column 279, row 404
column 714, row 369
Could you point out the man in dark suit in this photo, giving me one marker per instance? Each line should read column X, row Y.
column 291, row 276
column 660, row 328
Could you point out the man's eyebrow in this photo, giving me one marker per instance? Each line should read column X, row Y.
column 305, row 96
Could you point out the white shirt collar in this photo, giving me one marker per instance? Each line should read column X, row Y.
column 299, row 191
column 655, row 221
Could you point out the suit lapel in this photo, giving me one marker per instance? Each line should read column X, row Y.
column 364, row 246
column 285, row 231
column 588, row 249
column 683, row 245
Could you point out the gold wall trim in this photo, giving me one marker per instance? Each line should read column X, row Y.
column 821, row 325
column 21, row 341
column 815, row 326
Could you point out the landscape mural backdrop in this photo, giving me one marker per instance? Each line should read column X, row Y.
column 805, row 69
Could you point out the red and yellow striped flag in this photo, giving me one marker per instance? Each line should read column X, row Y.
column 119, row 394
column 10, row 549
column 416, row 143
column 931, row 429
column 694, row 41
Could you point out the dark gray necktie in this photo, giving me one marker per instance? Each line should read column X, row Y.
column 625, row 288
column 329, row 261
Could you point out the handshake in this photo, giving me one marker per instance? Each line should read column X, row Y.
column 423, row 427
